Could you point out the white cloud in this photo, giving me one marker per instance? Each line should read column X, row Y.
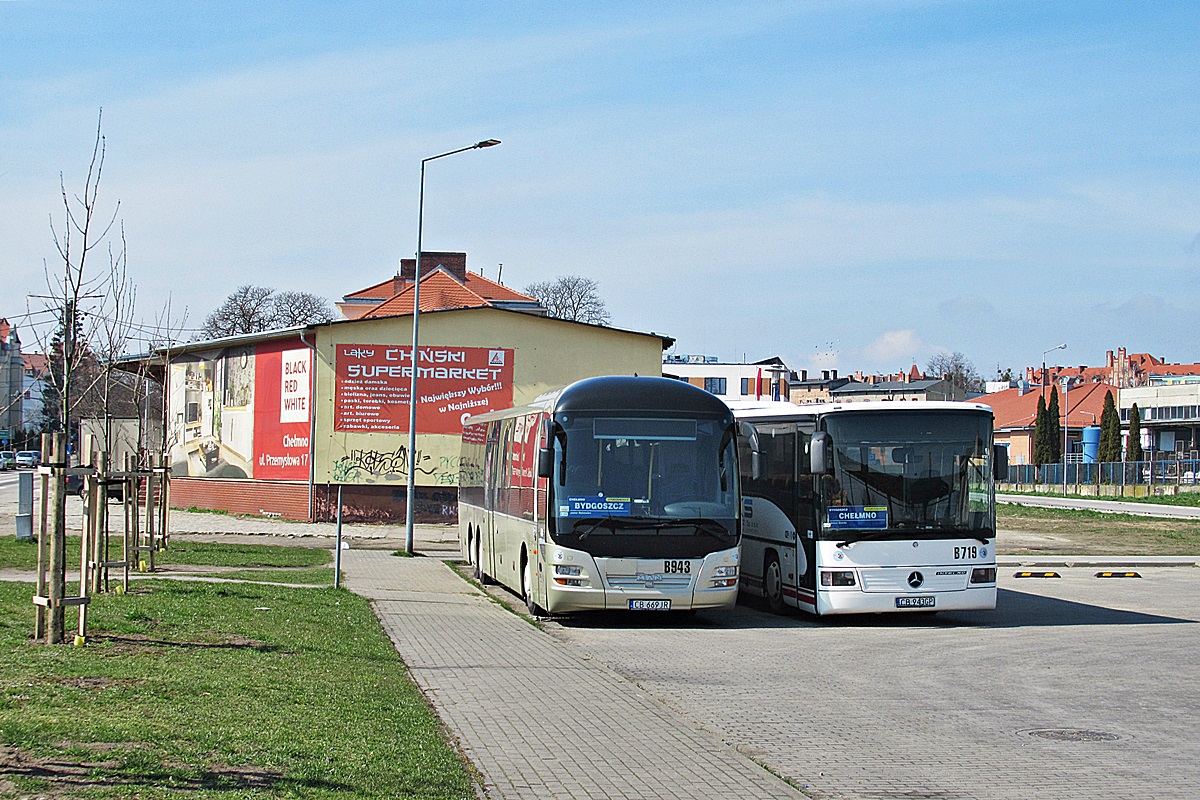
column 893, row 346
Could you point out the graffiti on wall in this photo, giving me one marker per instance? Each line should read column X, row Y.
column 388, row 465
column 370, row 465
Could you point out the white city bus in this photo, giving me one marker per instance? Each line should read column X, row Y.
column 869, row 507
column 613, row 493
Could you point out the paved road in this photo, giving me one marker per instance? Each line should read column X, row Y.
column 1107, row 506
column 536, row 716
column 1073, row 688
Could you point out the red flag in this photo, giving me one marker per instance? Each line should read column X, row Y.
column 758, row 385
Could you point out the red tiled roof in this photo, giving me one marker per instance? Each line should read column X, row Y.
column 439, row 291
column 35, row 362
column 477, row 284
column 1015, row 410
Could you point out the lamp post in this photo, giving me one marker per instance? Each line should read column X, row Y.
column 412, row 390
column 1062, row 346
column 1066, row 384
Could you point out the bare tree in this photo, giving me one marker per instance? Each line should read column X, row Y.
column 247, row 310
column 958, row 369
column 253, row 309
column 300, row 308
column 81, row 299
column 571, row 297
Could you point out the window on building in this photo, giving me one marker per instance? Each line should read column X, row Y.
column 714, row 385
column 745, row 386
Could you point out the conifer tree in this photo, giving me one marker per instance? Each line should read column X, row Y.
column 1133, row 447
column 1054, row 452
column 1110, row 431
column 1039, row 433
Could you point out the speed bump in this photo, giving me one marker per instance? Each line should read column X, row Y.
column 1036, row 575
column 1117, row 575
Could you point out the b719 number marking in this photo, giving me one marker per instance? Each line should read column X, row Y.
column 677, row 567
column 966, row 552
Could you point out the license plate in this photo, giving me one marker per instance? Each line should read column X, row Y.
column 649, row 605
column 916, row 602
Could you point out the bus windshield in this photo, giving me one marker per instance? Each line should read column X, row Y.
column 905, row 472
column 640, row 476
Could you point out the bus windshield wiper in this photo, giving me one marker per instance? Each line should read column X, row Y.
column 863, row 535
column 703, row 525
column 586, row 532
column 980, row 536
column 614, row 522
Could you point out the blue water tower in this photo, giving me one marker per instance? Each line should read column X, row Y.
column 1091, row 444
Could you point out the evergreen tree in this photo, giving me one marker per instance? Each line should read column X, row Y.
column 1054, row 452
column 1133, row 447
column 1110, row 431
column 1039, row 433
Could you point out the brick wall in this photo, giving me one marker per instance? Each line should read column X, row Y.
column 286, row 499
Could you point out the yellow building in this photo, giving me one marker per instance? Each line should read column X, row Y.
column 473, row 360
column 244, row 437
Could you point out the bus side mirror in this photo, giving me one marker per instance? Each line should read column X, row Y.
column 750, row 434
column 545, row 455
column 820, row 453
column 1000, row 463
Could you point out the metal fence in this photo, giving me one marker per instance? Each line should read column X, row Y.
column 1116, row 473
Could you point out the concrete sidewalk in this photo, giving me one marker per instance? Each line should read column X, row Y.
column 534, row 716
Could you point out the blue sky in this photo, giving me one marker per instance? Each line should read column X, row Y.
column 855, row 184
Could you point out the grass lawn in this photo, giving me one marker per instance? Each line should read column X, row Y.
column 1050, row 530
column 23, row 555
column 1191, row 499
column 190, row 689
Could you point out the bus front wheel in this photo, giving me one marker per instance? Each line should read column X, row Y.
column 773, row 583
column 527, row 589
column 480, row 575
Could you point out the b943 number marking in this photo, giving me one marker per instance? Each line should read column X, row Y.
column 677, row 567
column 969, row 551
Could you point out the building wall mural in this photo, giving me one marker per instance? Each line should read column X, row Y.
column 242, row 412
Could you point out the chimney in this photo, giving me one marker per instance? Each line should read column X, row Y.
column 454, row 263
column 803, row 374
column 824, row 374
column 835, row 374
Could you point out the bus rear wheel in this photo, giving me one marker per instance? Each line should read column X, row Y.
column 773, row 583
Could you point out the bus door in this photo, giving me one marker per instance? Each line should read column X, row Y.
column 769, row 541
column 805, row 518
column 492, row 463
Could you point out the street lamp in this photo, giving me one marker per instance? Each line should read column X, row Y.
column 412, row 390
column 1066, row 384
column 1062, row 346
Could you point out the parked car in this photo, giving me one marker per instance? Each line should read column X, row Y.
column 8, row 460
column 74, row 484
column 28, row 459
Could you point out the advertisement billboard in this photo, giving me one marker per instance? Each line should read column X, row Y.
column 242, row 412
column 373, row 383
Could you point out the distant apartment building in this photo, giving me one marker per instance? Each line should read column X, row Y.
column 901, row 387
column 805, row 390
column 12, row 378
column 769, row 378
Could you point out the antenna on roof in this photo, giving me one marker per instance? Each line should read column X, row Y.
column 500, row 274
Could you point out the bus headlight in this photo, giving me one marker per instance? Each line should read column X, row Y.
column 725, row 572
column 568, row 569
column 837, row 578
column 983, row 575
